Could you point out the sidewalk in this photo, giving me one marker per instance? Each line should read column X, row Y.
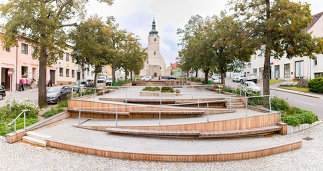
column 298, row 92
column 31, row 94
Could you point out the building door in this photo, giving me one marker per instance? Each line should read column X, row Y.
column 277, row 74
column 155, row 74
column 299, row 69
column 52, row 75
column 7, row 79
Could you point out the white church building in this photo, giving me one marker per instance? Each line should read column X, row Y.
column 155, row 65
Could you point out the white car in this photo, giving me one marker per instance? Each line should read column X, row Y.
column 146, row 78
column 215, row 80
column 252, row 86
column 239, row 78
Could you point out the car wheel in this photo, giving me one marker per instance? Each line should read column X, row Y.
column 1, row 96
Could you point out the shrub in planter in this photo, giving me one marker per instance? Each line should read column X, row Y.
column 18, row 106
column 53, row 112
column 316, row 85
column 302, row 83
column 167, row 90
column 278, row 104
column 62, row 104
column 253, row 101
column 292, row 120
column 151, row 89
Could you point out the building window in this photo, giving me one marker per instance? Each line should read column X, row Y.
column 24, row 72
column 32, row 50
column 67, row 72
column 155, row 39
column 255, row 71
column 155, row 53
column 286, row 70
column 73, row 73
column 24, row 48
column 61, row 72
column 8, row 49
column 61, row 57
column 315, row 62
column 319, row 74
column 67, row 57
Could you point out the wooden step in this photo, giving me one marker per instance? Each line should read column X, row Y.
column 168, row 112
column 98, row 112
column 152, row 132
column 240, row 132
column 33, row 140
column 150, row 101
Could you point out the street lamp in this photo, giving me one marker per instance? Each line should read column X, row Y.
column 78, row 71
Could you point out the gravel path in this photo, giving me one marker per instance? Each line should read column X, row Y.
column 20, row 156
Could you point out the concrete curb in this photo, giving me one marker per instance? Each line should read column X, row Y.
column 295, row 92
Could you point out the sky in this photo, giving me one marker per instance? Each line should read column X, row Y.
column 136, row 16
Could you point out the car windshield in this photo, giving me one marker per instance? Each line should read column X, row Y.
column 251, row 84
column 54, row 89
column 109, row 78
column 1, row 87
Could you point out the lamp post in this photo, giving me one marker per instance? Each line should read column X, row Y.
column 78, row 71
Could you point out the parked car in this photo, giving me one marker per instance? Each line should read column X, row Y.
column 239, row 78
column 251, row 77
column 146, row 78
column 215, row 80
column 101, row 79
column 57, row 94
column 251, row 86
column 2, row 92
column 171, row 78
column 108, row 81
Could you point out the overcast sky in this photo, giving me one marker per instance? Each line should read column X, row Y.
column 136, row 16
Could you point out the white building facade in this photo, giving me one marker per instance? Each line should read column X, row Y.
column 298, row 67
column 155, row 65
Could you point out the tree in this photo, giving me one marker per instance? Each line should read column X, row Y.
column 278, row 27
column 229, row 40
column 42, row 22
column 92, row 41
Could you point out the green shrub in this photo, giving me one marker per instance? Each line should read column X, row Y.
column 255, row 100
column 18, row 106
column 316, row 85
column 195, row 79
column 62, row 104
column 296, row 116
column 52, row 112
column 151, row 89
column 292, row 120
column 278, row 104
column 122, row 82
column 167, row 90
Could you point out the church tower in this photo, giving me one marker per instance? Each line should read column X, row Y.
column 155, row 65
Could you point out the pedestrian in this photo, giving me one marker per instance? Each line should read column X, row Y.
column 21, row 85
column 50, row 84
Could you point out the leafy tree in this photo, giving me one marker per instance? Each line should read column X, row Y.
column 42, row 22
column 229, row 40
column 92, row 41
column 278, row 27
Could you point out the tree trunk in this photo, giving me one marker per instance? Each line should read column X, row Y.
column 131, row 75
column 126, row 75
column 113, row 74
column 223, row 77
column 266, row 73
column 206, row 76
column 186, row 74
column 42, row 94
column 196, row 73
column 95, row 77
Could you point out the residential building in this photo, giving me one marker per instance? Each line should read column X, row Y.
column 297, row 67
column 67, row 69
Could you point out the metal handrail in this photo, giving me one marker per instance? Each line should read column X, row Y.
column 15, row 120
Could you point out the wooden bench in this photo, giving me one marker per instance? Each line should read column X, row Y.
column 168, row 112
column 98, row 112
column 197, row 134
column 240, row 132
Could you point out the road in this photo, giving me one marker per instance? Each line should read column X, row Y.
column 304, row 102
column 31, row 94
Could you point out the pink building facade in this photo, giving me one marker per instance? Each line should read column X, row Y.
column 24, row 67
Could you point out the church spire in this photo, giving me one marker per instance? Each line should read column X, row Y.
column 153, row 28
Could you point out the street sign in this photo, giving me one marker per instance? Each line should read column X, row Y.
column 10, row 72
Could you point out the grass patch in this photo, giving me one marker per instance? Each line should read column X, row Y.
column 296, row 88
column 274, row 81
column 52, row 112
column 62, row 104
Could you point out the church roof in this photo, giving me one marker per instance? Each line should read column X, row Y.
column 153, row 29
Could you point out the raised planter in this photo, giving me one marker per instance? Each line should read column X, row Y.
column 156, row 93
column 293, row 129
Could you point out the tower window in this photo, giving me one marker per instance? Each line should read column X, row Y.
column 155, row 39
column 155, row 53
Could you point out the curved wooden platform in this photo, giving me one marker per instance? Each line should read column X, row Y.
column 196, row 134
column 260, row 151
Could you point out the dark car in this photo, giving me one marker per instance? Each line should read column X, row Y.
column 2, row 92
column 57, row 94
column 171, row 78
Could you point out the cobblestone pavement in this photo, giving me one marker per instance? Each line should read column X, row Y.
column 20, row 156
column 31, row 94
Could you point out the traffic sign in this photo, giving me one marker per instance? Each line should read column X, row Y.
column 10, row 72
